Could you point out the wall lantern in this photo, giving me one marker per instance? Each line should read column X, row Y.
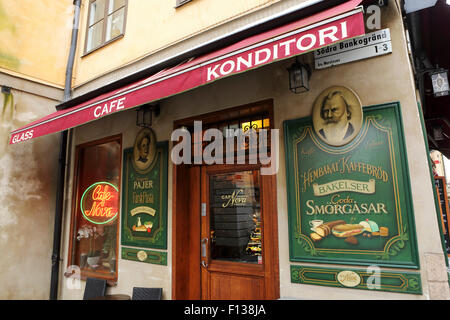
column 439, row 78
column 145, row 115
column 299, row 75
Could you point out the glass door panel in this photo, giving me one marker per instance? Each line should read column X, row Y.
column 235, row 217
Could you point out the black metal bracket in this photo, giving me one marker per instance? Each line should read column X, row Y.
column 6, row 90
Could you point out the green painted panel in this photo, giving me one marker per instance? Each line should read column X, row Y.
column 365, row 279
column 144, row 204
column 147, row 256
column 365, row 182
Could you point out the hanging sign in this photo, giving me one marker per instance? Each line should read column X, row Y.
column 144, row 204
column 371, row 45
column 349, row 196
column 100, row 203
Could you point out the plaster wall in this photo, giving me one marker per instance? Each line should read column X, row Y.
column 27, row 200
column 376, row 81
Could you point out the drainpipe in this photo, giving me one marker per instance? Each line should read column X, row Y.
column 73, row 47
column 56, row 255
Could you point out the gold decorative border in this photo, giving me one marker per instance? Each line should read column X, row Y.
column 409, row 282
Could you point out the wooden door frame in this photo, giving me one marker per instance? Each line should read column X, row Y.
column 186, row 272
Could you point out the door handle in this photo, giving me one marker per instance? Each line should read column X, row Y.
column 204, row 248
column 203, row 209
column 204, row 243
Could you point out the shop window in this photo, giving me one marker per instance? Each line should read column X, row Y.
column 181, row 2
column 95, row 209
column 106, row 22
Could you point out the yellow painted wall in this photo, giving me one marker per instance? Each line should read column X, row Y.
column 35, row 39
column 152, row 25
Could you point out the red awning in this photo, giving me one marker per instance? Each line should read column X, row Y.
column 330, row 26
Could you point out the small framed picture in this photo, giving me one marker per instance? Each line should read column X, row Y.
column 144, row 149
column 337, row 116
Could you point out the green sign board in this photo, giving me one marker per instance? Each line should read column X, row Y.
column 147, row 256
column 351, row 204
column 365, row 279
column 144, row 204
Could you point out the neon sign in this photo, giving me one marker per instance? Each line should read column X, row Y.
column 100, row 202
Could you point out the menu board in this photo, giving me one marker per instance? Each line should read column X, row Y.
column 441, row 188
column 144, row 204
column 351, row 204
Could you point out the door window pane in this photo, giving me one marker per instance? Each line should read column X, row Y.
column 235, row 217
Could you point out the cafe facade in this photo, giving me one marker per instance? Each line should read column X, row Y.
column 291, row 164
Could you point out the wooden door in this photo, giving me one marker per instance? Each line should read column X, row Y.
column 239, row 251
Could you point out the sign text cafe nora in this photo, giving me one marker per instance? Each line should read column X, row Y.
column 278, row 44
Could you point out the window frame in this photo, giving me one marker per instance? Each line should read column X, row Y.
column 105, row 26
column 252, row 112
column 112, row 280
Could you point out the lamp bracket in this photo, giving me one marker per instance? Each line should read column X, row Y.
column 6, row 90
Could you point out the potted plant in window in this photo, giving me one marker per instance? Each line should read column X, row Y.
column 91, row 233
column 109, row 249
